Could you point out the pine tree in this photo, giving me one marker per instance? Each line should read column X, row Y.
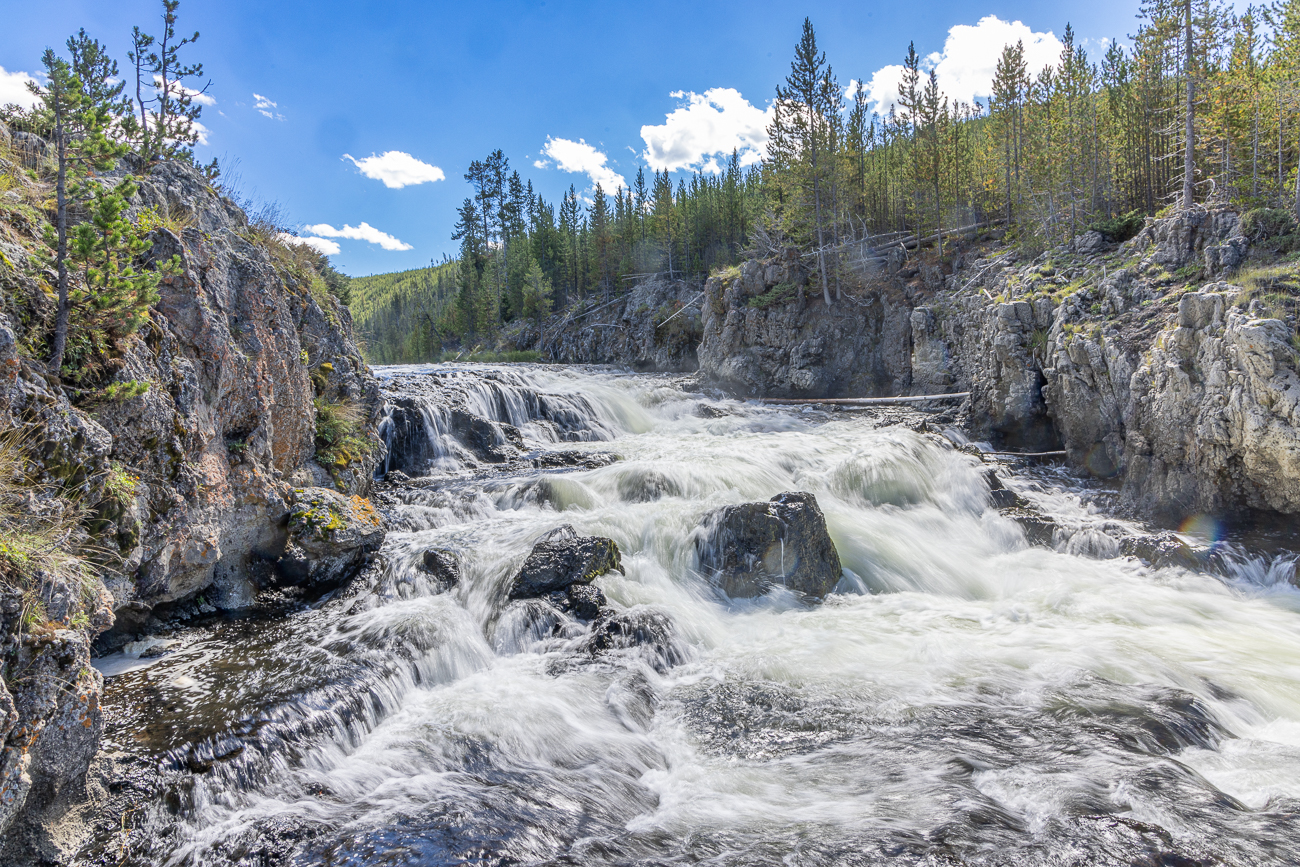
column 80, row 113
column 170, row 131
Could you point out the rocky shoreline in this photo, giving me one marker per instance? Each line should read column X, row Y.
column 1150, row 362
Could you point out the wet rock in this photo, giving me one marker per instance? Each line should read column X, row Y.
column 331, row 537
column 554, row 564
column 1000, row 497
column 650, row 631
column 747, row 549
column 562, row 459
column 1040, row 530
column 645, row 486
column 583, row 601
column 707, row 410
column 443, row 565
column 490, row 441
column 1162, row 550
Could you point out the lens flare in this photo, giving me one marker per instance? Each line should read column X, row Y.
column 1206, row 529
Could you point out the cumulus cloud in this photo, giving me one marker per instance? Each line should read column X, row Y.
column 397, row 169
column 13, row 88
column 364, row 232
column 320, row 245
column 177, row 88
column 266, row 108
column 969, row 58
column 703, row 128
column 578, row 156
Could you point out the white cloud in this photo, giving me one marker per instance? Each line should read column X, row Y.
column 195, row 95
column 320, row 245
column 578, row 156
column 364, row 232
column 265, row 107
column 970, row 55
column 706, row 126
column 969, row 58
column 397, row 169
column 882, row 89
column 13, row 89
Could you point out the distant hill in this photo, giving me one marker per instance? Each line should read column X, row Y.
column 394, row 314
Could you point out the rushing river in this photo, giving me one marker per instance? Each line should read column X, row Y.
column 963, row 698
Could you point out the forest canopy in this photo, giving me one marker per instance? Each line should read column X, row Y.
column 1202, row 107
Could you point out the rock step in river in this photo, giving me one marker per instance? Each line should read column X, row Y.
column 797, row 637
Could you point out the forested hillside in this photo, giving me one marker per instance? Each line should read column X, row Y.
column 398, row 313
column 1201, row 107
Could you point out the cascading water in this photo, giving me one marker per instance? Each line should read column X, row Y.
column 964, row 698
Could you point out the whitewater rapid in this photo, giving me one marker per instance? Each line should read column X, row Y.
column 963, row 698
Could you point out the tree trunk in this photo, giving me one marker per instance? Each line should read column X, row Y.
column 1297, row 190
column 61, row 254
column 1189, row 134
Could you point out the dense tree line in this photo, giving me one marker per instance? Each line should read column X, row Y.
column 1203, row 107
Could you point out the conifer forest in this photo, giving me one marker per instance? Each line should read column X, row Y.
column 1203, row 107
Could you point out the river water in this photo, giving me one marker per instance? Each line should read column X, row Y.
column 963, row 698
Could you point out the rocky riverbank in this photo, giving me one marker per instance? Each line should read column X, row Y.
column 654, row 326
column 242, row 394
column 1168, row 362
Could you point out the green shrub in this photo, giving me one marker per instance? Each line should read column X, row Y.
column 340, row 430
column 126, row 390
column 1120, row 229
column 778, row 294
column 120, row 483
column 1263, row 223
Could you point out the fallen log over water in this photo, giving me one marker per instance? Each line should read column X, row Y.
column 863, row 401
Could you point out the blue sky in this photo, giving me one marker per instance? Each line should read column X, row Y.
column 297, row 85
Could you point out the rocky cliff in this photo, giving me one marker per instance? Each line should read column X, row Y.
column 1168, row 362
column 184, row 452
column 654, row 326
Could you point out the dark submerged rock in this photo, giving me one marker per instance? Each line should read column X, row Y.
column 747, row 549
column 443, row 565
column 490, row 441
column 650, row 631
column 645, row 486
column 583, row 601
column 1162, row 550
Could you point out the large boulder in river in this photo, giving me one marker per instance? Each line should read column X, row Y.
column 561, row 560
column 331, row 536
column 747, row 549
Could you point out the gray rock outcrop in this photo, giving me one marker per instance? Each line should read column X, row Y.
column 331, row 537
column 185, row 443
column 654, row 326
column 767, row 333
column 746, row 550
column 1144, row 362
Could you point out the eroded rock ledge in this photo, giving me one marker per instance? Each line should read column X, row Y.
column 1160, row 362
